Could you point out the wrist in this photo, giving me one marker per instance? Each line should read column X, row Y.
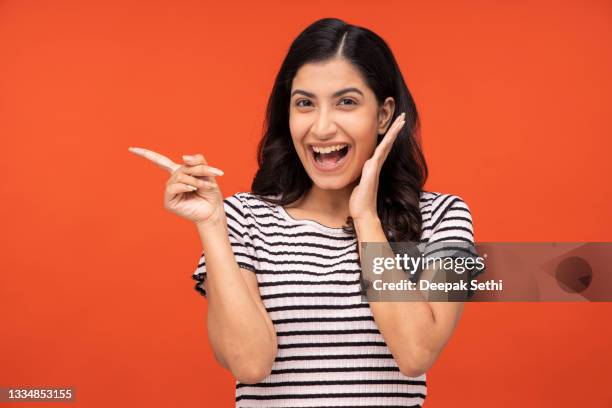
column 212, row 234
column 366, row 222
column 211, row 225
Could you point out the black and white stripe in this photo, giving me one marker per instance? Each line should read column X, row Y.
column 330, row 352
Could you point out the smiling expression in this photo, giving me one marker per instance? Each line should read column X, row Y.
column 334, row 119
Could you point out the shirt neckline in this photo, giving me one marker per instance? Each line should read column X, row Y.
column 305, row 221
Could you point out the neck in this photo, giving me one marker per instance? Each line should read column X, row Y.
column 335, row 203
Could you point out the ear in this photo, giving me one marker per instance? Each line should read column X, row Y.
column 385, row 113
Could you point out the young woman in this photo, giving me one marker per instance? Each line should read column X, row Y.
column 339, row 164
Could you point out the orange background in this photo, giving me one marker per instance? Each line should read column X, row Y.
column 95, row 285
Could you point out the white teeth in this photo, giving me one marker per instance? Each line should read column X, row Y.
column 328, row 149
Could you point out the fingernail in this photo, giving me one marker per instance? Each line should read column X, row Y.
column 216, row 171
column 193, row 188
column 187, row 157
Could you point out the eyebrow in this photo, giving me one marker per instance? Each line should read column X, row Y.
column 335, row 94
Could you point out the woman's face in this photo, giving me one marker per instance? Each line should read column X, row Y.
column 334, row 120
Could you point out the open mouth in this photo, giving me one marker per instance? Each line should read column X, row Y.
column 329, row 157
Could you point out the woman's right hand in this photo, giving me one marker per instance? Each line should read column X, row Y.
column 191, row 191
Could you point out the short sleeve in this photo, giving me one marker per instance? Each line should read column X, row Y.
column 238, row 221
column 453, row 234
column 452, row 221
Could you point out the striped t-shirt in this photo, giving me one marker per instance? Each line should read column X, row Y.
column 330, row 351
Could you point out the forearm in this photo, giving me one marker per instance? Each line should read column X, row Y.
column 415, row 342
column 237, row 328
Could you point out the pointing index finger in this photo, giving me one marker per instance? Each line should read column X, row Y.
column 159, row 159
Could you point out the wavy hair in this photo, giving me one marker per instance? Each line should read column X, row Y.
column 281, row 178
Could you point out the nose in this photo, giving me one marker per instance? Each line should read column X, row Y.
column 324, row 126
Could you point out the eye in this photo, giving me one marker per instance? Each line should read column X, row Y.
column 297, row 103
column 352, row 102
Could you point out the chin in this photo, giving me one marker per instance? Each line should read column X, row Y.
column 332, row 183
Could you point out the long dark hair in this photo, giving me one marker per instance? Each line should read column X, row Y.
column 281, row 177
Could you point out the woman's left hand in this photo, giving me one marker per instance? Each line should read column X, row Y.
column 362, row 204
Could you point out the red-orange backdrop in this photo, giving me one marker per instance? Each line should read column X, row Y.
column 95, row 283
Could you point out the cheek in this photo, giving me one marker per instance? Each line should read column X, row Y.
column 357, row 124
column 364, row 148
column 362, row 154
column 364, row 135
column 298, row 133
column 299, row 124
column 362, row 129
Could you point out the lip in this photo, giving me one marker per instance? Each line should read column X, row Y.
column 331, row 168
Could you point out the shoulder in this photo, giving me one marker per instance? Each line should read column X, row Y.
column 437, row 203
column 445, row 215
